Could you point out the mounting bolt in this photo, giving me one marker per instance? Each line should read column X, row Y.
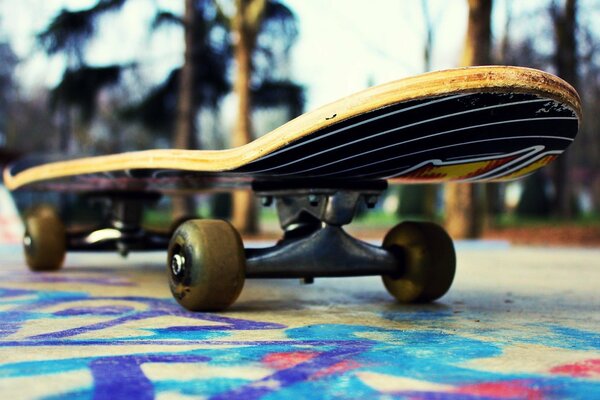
column 267, row 201
column 122, row 249
column 371, row 201
column 177, row 264
column 27, row 242
column 313, row 199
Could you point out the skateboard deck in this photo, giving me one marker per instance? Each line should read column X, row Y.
column 469, row 124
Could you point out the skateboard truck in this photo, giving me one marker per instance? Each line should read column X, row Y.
column 207, row 262
column 314, row 242
column 46, row 239
column 123, row 230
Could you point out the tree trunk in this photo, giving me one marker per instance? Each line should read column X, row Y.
column 479, row 33
column 566, row 65
column 495, row 192
column 185, row 123
column 465, row 202
column 246, row 23
column 430, row 191
column 65, row 129
column 427, row 49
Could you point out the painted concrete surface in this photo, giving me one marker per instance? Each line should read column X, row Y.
column 518, row 323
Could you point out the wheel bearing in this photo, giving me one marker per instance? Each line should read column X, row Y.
column 178, row 264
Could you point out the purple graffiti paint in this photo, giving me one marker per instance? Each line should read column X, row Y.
column 54, row 278
column 157, row 308
column 8, row 293
column 105, row 310
column 121, row 377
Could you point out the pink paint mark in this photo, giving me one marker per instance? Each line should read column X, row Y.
column 582, row 369
column 502, row 390
column 288, row 359
column 339, row 368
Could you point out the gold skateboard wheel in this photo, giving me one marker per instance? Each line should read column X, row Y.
column 44, row 242
column 206, row 265
column 430, row 262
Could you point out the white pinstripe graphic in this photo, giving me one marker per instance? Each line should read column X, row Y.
column 462, row 160
column 409, row 126
column 422, row 138
column 293, row 146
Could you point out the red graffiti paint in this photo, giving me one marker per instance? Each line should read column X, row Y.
column 288, row 359
column 583, row 369
column 341, row 367
column 502, row 390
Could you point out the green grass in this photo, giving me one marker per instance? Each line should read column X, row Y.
column 370, row 218
column 514, row 221
column 157, row 218
column 160, row 218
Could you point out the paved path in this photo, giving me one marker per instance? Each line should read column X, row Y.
column 518, row 323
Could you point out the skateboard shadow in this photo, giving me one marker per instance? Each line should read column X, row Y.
column 379, row 305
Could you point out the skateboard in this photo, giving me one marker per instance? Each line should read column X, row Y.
column 471, row 124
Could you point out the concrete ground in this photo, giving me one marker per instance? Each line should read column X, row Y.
column 518, row 323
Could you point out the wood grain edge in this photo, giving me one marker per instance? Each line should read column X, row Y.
column 433, row 84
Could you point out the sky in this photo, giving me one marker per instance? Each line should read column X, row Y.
column 343, row 49
column 344, row 45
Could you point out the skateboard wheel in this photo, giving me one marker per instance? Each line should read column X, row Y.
column 44, row 242
column 430, row 262
column 206, row 265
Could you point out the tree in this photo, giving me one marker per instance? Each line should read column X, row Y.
column 185, row 125
column 185, row 122
column 8, row 61
column 565, row 24
column 203, row 74
column 200, row 82
column 250, row 18
column 533, row 201
column 68, row 33
column 245, row 25
column 478, row 41
column 419, row 200
column 464, row 202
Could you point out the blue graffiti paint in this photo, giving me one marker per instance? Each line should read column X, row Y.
column 298, row 373
column 42, row 367
column 73, row 395
column 570, row 338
